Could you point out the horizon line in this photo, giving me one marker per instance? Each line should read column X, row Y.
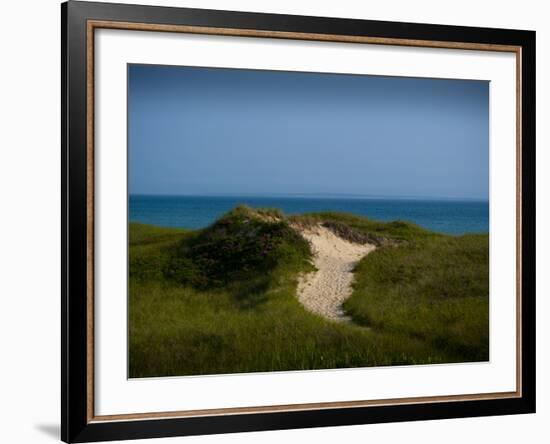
column 314, row 195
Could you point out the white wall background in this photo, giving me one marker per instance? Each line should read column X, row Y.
column 30, row 209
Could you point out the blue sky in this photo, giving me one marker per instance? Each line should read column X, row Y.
column 205, row 131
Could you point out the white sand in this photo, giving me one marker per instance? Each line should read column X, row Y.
column 324, row 291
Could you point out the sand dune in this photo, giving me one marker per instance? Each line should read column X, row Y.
column 324, row 291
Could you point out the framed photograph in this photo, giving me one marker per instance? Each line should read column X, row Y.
column 275, row 221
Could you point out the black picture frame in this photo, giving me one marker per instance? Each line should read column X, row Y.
column 76, row 424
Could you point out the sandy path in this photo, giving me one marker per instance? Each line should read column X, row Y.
column 324, row 291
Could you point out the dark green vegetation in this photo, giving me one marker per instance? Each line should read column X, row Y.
column 223, row 299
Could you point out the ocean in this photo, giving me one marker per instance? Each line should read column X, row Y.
column 444, row 216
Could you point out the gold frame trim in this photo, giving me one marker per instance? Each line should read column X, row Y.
column 96, row 24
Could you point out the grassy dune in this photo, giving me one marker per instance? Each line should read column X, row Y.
column 223, row 299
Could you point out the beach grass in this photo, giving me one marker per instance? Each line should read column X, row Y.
column 223, row 299
column 434, row 289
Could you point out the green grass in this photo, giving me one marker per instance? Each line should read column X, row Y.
column 223, row 299
column 435, row 290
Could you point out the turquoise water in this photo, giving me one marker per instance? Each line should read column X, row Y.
column 445, row 216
